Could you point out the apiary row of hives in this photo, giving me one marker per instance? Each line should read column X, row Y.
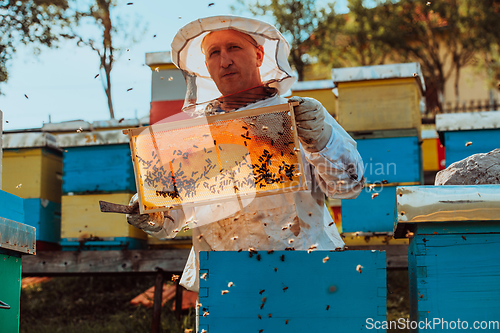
column 16, row 239
column 380, row 107
column 62, row 177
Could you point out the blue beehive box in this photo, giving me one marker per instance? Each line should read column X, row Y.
column 96, row 162
column 97, row 165
column 292, row 291
column 45, row 216
column 453, row 265
column 372, row 211
column 391, row 159
column 98, row 169
column 466, row 134
column 11, row 207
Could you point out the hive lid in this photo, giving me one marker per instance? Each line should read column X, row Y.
column 17, row 236
column 448, row 203
column 158, row 58
column 67, row 126
column 467, row 121
column 378, row 72
column 312, row 85
column 93, row 138
column 29, row 140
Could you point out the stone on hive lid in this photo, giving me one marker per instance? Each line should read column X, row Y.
column 474, row 170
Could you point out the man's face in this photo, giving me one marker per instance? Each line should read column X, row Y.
column 232, row 60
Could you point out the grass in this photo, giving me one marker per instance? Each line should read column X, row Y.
column 398, row 302
column 101, row 304
column 97, row 304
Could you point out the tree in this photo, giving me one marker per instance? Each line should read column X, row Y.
column 485, row 16
column 297, row 20
column 352, row 39
column 438, row 34
column 35, row 23
column 100, row 13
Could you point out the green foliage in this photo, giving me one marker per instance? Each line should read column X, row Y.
column 353, row 39
column 438, row 34
column 33, row 22
column 485, row 15
column 398, row 300
column 94, row 304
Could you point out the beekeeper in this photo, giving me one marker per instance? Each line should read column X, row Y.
column 234, row 63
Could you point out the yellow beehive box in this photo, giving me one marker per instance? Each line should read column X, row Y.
column 82, row 218
column 32, row 166
column 321, row 90
column 379, row 97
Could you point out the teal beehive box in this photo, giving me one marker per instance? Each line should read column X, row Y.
column 390, row 158
column 16, row 239
column 96, row 162
column 453, row 265
column 466, row 134
column 292, row 291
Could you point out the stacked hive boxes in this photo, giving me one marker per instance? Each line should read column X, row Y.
column 168, row 89
column 32, row 170
column 433, row 153
column 97, row 166
column 380, row 107
column 453, row 264
column 16, row 239
column 465, row 134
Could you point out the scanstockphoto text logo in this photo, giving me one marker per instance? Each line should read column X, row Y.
column 432, row 324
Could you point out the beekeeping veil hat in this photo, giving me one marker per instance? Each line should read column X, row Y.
column 187, row 55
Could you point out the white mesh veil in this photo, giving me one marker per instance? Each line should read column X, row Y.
column 187, row 56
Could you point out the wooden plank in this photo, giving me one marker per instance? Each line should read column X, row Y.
column 53, row 263
column 156, row 327
column 299, row 293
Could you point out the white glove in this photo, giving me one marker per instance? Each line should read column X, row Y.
column 150, row 223
column 314, row 133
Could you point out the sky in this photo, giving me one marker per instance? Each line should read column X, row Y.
column 60, row 84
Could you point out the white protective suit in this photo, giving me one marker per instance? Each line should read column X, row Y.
column 260, row 224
